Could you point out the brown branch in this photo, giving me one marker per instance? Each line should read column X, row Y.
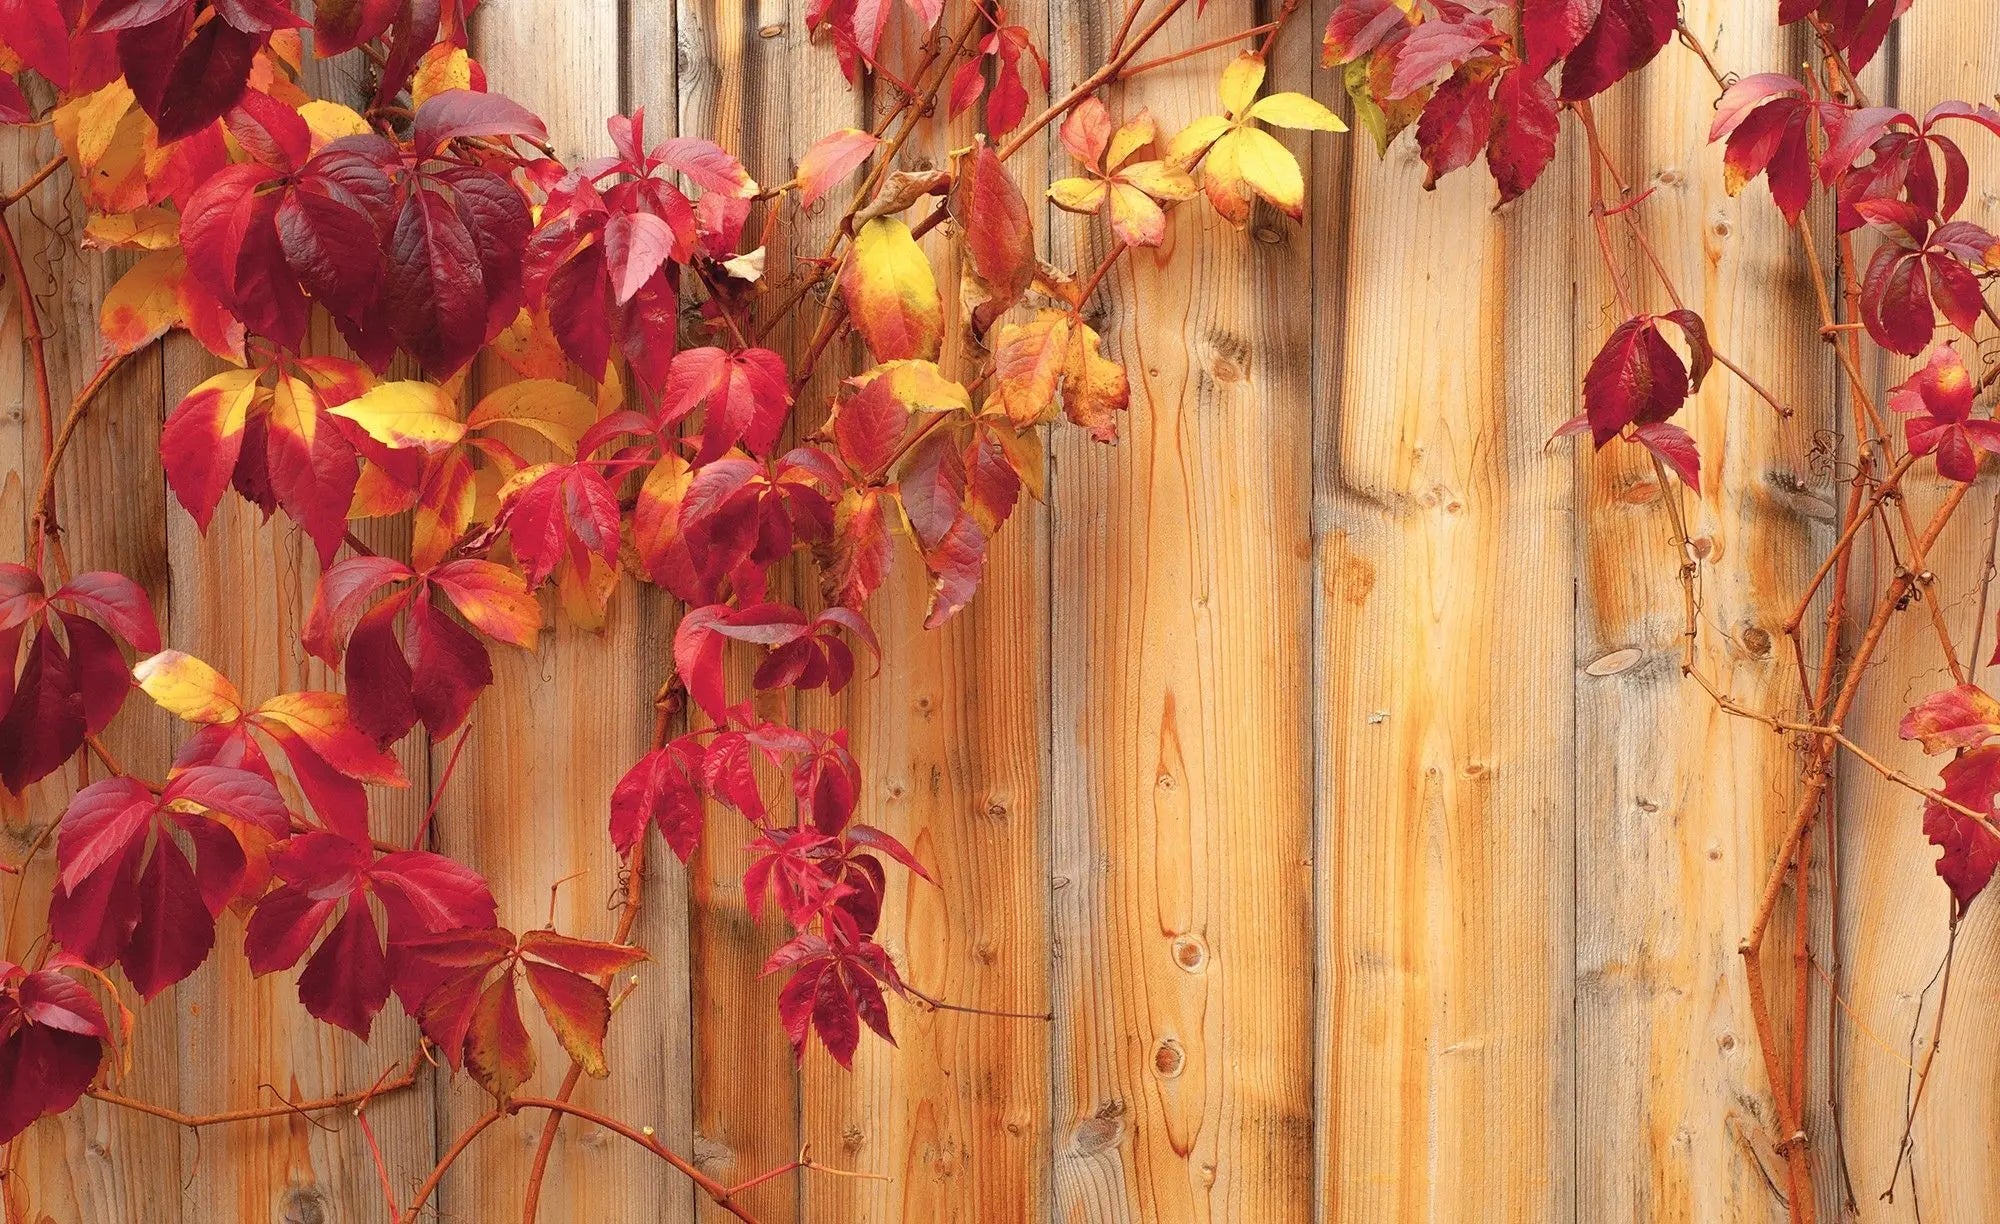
column 451, row 1155
column 31, row 328
column 34, row 180
column 256, row 1113
column 558, row 1107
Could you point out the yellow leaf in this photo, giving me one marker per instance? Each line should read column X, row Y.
column 406, row 414
column 1222, row 176
column 444, row 512
column 1027, row 368
column 330, row 121
column 295, row 409
column 144, row 304
column 919, row 386
column 444, row 67
column 892, row 294
column 1271, row 169
column 188, row 688
column 1129, row 139
column 529, row 346
column 1094, row 387
column 147, row 229
column 1078, row 195
column 1159, row 179
column 1194, row 139
column 1240, row 82
column 1135, row 219
column 1295, row 110
column 550, row 407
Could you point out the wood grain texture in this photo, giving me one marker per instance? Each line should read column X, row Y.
column 529, row 804
column 1894, row 913
column 1679, row 805
column 96, row 1162
column 1182, row 762
column 951, row 737
column 1444, row 687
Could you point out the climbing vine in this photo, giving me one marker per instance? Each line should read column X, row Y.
column 652, row 434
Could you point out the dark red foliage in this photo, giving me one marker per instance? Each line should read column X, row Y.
column 462, row 987
column 51, row 1039
column 1922, row 265
column 1638, row 379
column 438, row 668
column 325, row 882
column 73, row 678
column 130, row 892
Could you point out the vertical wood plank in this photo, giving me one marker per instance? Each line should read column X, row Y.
column 1893, row 907
column 951, row 736
column 752, row 81
column 1444, row 582
column 1182, row 765
column 529, row 803
column 1679, row 805
column 241, row 594
column 95, row 1162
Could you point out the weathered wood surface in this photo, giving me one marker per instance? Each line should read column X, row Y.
column 1318, row 756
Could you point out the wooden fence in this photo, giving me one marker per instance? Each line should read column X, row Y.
column 1318, row 755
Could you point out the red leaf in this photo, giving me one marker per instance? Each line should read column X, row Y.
column 117, row 601
column 1553, row 28
column 999, row 236
column 1456, row 124
column 659, row 790
column 457, row 114
column 577, row 1009
column 1626, row 37
column 497, row 1049
column 744, row 396
column 342, row 25
column 1675, row 447
column 1970, row 850
column 346, row 981
column 1523, row 139
column 1636, row 378
column 271, row 132
column 49, row 1047
column 869, row 425
column 560, row 511
column 1938, row 402
column 1964, row 716
column 187, row 83
column 435, row 297
column 44, row 723
column 448, row 668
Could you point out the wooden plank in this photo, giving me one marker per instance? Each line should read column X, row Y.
column 1181, row 627
column 952, row 739
column 240, row 597
column 1893, row 919
column 96, row 1162
column 753, row 82
column 1679, row 805
column 529, row 803
column 1443, row 604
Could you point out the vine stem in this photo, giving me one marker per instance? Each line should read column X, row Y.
column 665, row 704
column 450, row 1157
column 31, row 329
column 34, row 180
column 339, row 1100
column 1904, row 1145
